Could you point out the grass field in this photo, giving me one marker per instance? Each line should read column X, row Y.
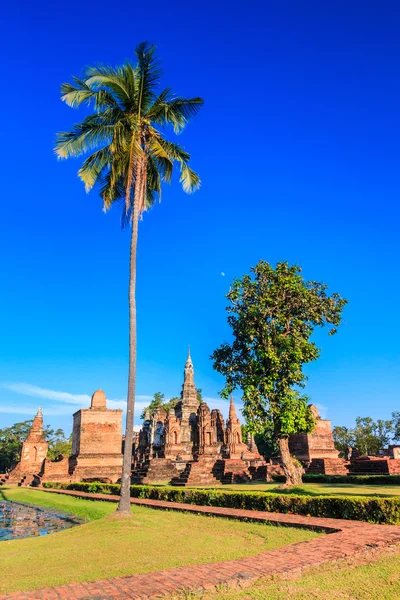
column 359, row 580
column 107, row 546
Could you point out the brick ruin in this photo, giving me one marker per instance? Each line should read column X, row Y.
column 318, row 454
column 191, row 445
column 96, row 442
column 188, row 445
column 96, row 449
column 33, row 454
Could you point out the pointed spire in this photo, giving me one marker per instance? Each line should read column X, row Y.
column 36, row 431
column 232, row 409
column 189, row 358
column 189, row 370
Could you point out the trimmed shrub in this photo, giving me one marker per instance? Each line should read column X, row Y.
column 357, row 479
column 372, row 510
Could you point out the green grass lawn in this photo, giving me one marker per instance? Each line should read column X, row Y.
column 378, row 580
column 107, row 546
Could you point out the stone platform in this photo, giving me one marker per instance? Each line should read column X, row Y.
column 346, row 539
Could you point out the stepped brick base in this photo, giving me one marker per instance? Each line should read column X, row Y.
column 160, row 469
column 204, row 471
column 235, row 471
column 328, row 466
column 375, row 466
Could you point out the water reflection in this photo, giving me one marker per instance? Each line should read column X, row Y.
column 21, row 521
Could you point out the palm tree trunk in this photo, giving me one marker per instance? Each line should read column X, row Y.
column 292, row 472
column 124, row 505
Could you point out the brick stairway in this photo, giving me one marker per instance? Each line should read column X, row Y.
column 157, row 469
column 204, row 471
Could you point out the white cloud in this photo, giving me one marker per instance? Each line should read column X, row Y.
column 27, row 389
column 31, row 409
column 223, row 274
column 64, row 398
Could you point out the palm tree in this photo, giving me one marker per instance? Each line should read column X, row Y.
column 130, row 160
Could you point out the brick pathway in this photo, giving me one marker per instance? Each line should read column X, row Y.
column 345, row 539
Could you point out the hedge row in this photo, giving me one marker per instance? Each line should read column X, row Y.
column 372, row 510
column 357, row 479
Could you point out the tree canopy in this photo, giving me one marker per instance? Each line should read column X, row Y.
column 273, row 313
column 368, row 436
column 126, row 131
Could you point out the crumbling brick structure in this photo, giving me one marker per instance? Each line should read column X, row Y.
column 96, row 442
column 33, row 454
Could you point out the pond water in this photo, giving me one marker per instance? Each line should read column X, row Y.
column 19, row 520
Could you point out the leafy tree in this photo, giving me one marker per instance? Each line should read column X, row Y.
column 157, row 402
column 59, row 444
column 371, row 436
column 265, row 439
column 199, row 394
column 343, row 439
column 368, row 436
column 272, row 314
column 131, row 159
column 396, row 425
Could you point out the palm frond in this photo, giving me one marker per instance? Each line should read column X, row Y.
column 80, row 140
column 159, row 146
column 189, row 179
column 176, row 112
column 93, row 167
column 148, row 73
column 111, row 79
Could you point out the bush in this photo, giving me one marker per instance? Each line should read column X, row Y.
column 372, row 510
column 357, row 479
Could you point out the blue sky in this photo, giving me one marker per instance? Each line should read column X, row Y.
column 298, row 150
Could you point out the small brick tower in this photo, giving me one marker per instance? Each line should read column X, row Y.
column 33, row 453
column 234, row 443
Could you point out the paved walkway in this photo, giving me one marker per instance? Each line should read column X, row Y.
column 345, row 539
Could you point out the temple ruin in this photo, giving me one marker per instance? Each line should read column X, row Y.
column 191, row 445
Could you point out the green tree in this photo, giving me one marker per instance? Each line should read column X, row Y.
column 396, row 425
column 11, row 439
column 131, row 159
column 343, row 438
column 370, row 437
column 272, row 315
column 264, row 438
column 59, row 444
column 199, row 394
column 157, row 402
